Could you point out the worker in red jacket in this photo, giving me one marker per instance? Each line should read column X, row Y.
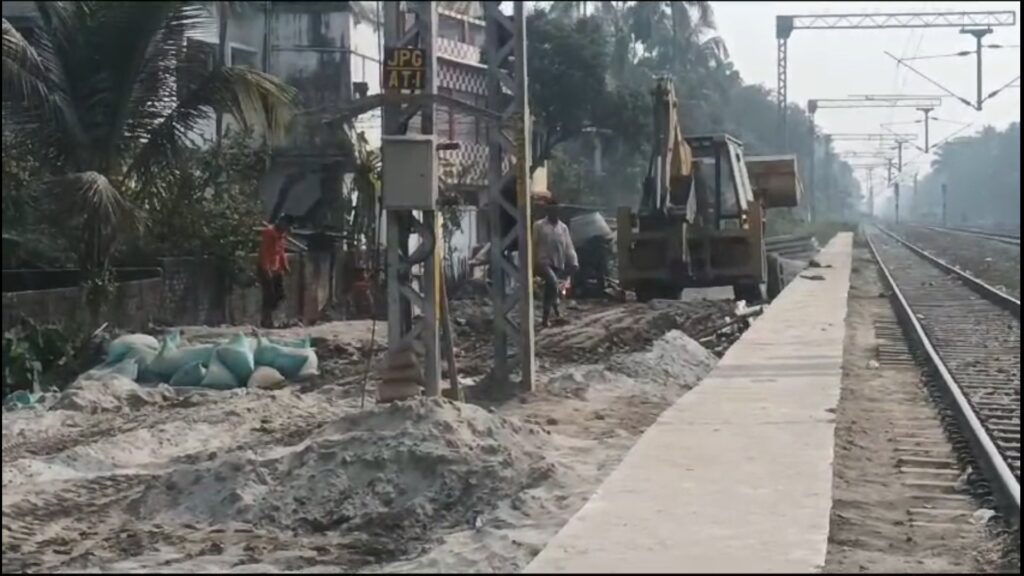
column 272, row 266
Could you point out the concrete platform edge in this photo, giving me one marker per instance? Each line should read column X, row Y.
column 737, row 475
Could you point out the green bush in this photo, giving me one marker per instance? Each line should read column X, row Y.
column 36, row 357
column 207, row 207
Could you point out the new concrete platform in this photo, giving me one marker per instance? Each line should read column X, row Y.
column 737, row 475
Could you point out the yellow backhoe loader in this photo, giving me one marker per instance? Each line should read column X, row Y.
column 701, row 219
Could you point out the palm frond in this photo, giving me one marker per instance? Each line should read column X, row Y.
column 253, row 98
column 147, row 40
column 24, row 75
column 32, row 93
column 91, row 195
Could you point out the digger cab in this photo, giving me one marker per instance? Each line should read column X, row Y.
column 726, row 242
column 720, row 182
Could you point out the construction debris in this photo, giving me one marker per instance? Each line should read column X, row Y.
column 793, row 246
column 164, row 479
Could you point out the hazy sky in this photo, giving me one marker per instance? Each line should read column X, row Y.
column 841, row 63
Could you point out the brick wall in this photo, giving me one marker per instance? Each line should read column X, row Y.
column 132, row 307
column 188, row 292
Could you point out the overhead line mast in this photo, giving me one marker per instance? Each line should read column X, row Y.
column 786, row 24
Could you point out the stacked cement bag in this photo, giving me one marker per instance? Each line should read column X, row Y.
column 241, row 361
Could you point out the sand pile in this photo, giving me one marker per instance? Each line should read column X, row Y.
column 674, row 363
column 110, row 393
column 399, row 470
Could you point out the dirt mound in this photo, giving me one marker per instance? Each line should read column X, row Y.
column 402, row 470
column 111, row 393
column 592, row 332
column 674, row 363
column 674, row 360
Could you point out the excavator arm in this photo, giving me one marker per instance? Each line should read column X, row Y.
column 668, row 186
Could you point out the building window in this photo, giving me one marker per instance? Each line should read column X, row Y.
column 443, row 122
column 476, row 35
column 450, row 28
column 244, row 57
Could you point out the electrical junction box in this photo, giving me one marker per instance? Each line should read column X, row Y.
column 409, row 165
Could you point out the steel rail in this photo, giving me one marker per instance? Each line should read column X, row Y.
column 1005, row 485
column 998, row 237
column 997, row 297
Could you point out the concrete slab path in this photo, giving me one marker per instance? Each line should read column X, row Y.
column 737, row 475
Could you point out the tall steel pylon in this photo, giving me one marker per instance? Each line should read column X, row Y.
column 865, row 101
column 508, row 159
column 511, row 248
column 406, row 327
column 786, row 24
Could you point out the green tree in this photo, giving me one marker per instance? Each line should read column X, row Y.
column 991, row 157
column 207, row 206
column 568, row 69
column 107, row 91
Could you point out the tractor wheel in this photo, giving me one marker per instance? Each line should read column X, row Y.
column 671, row 293
column 653, row 290
column 774, row 276
column 646, row 291
column 753, row 293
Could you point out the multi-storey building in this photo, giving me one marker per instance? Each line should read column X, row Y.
column 330, row 52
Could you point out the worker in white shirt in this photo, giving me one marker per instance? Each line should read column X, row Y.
column 554, row 256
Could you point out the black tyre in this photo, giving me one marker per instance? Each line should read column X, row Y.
column 774, row 276
column 652, row 290
column 753, row 293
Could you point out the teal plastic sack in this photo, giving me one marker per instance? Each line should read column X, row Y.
column 173, row 335
column 290, row 362
column 310, row 368
column 266, row 378
column 171, row 358
column 219, row 377
column 266, row 351
column 190, row 375
column 129, row 344
column 142, row 357
column 19, row 399
column 288, row 357
column 128, row 368
column 300, row 343
column 237, row 355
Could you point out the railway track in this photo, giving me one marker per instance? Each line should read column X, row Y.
column 1011, row 239
column 969, row 334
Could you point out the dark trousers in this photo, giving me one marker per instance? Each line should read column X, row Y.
column 272, row 288
column 550, row 277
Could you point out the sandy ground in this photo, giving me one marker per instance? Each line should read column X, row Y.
column 876, row 512
column 993, row 262
column 114, row 477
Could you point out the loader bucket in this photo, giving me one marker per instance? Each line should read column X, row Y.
column 775, row 179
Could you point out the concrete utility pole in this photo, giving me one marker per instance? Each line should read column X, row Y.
column 944, row 200
column 813, row 190
column 871, row 192
column 927, row 113
column 979, row 34
column 896, row 197
column 827, row 157
column 512, row 289
column 405, row 194
column 913, row 199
